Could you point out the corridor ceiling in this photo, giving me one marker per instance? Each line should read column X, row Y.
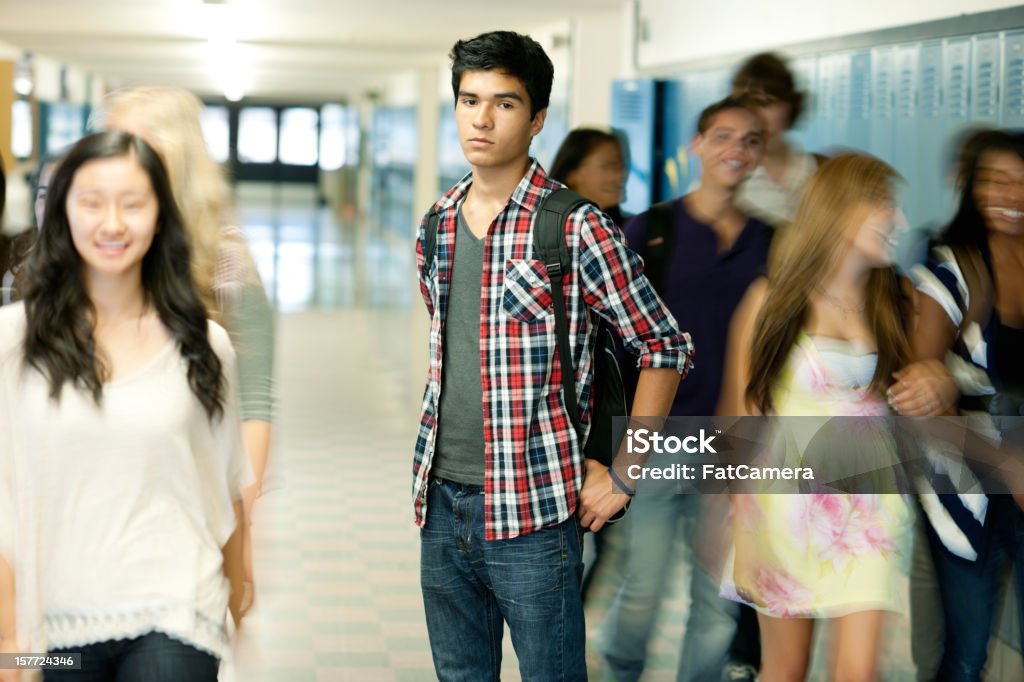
column 298, row 49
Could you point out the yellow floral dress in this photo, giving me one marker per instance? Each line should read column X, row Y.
column 822, row 555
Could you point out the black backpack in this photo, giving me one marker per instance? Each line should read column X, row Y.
column 609, row 398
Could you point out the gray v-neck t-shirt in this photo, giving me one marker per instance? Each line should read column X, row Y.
column 459, row 452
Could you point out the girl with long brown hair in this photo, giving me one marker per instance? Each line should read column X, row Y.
column 821, row 336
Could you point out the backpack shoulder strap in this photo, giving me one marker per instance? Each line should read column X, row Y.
column 553, row 213
column 430, row 241
column 658, row 243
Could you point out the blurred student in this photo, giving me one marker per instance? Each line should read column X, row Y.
column 772, row 192
column 168, row 119
column 822, row 335
column 592, row 163
column 701, row 252
column 971, row 320
column 121, row 459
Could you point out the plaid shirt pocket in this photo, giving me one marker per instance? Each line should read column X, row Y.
column 526, row 294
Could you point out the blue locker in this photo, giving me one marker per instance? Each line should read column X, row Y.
column 882, row 102
column 719, row 84
column 708, row 91
column 956, row 81
column 633, row 111
column 930, row 81
column 695, row 97
column 932, row 196
column 805, row 72
column 838, row 132
column 858, row 132
column 648, row 112
column 820, row 135
column 677, row 127
column 905, row 144
column 1013, row 80
column 985, row 78
column 692, row 98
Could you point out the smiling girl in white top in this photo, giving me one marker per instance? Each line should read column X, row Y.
column 121, row 461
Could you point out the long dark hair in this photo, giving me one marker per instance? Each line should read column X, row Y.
column 576, row 147
column 967, row 229
column 59, row 338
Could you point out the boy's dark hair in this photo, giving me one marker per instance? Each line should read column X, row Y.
column 513, row 53
column 767, row 74
column 708, row 115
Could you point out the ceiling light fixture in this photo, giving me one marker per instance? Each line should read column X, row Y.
column 22, row 82
column 226, row 61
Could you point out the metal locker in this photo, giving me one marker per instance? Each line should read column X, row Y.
column 1013, row 80
column 932, row 193
column 905, row 144
column 985, row 77
column 676, row 131
column 956, row 81
column 882, row 118
column 696, row 96
column 834, row 77
column 858, row 135
column 633, row 112
column 719, row 84
column 805, row 72
column 820, row 135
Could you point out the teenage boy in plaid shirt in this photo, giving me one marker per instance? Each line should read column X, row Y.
column 502, row 490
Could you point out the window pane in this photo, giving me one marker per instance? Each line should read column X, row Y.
column 257, row 135
column 299, row 137
column 65, row 126
column 21, row 129
column 332, row 137
column 216, row 132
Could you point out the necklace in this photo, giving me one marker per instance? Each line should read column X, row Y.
column 839, row 304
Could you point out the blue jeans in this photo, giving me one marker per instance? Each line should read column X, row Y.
column 657, row 521
column 710, row 630
column 151, row 658
column 970, row 590
column 472, row 586
column 655, row 526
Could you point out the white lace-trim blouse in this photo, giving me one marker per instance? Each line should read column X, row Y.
column 114, row 516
